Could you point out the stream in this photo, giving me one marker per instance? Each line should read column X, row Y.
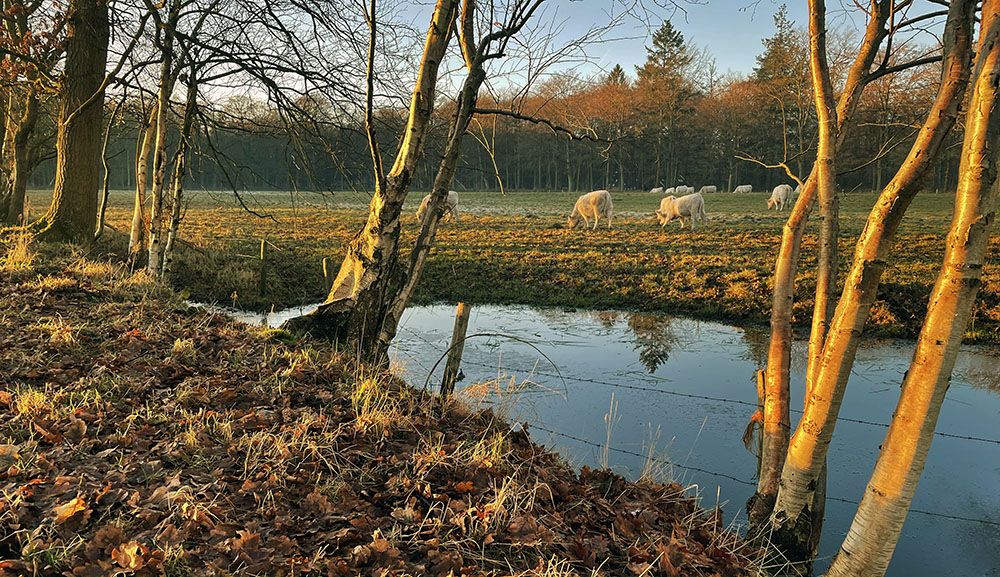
column 683, row 390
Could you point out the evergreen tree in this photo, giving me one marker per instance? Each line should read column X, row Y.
column 617, row 76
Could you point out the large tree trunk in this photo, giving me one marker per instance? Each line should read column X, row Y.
column 776, row 428
column 20, row 167
column 72, row 215
column 356, row 306
column 804, row 465
column 873, row 535
column 401, row 295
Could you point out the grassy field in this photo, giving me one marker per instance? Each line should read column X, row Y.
column 515, row 249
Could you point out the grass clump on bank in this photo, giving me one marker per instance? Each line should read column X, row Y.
column 141, row 437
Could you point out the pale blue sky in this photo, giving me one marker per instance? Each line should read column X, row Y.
column 733, row 36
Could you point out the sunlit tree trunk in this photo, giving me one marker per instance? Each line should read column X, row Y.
column 794, row 516
column 356, row 306
column 873, row 535
column 72, row 216
column 776, row 427
column 400, row 297
column 137, row 234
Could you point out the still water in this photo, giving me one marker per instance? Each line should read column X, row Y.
column 653, row 372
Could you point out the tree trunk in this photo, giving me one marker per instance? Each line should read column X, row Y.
column 180, row 168
column 828, row 374
column 72, row 215
column 356, row 306
column 20, row 167
column 137, row 234
column 154, row 264
column 439, row 193
column 776, row 426
column 873, row 535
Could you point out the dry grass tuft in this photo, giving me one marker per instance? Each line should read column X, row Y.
column 20, row 256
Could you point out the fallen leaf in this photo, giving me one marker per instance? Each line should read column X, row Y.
column 66, row 511
column 465, row 486
column 130, row 556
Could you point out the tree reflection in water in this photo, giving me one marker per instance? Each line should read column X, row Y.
column 654, row 338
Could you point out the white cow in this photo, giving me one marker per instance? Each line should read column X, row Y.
column 743, row 189
column 451, row 205
column 798, row 188
column 670, row 190
column 691, row 207
column 593, row 204
column 779, row 196
column 708, row 189
column 682, row 190
column 657, row 190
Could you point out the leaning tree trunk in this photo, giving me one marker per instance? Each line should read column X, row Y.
column 873, row 535
column 20, row 167
column 356, row 306
column 776, row 427
column 72, row 215
column 802, row 549
column 793, row 518
column 464, row 111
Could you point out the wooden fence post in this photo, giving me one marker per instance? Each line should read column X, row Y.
column 455, row 351
column 262, row 280
column 327, row 276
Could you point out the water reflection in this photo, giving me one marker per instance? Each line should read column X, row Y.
column 694, row 382
column 758, row 340
column 655, row 338
column 982, row 371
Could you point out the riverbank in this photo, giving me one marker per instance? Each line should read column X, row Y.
column 516, row 250
column 142, row 436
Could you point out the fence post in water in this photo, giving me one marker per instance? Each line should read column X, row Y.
column 455, row 351
column 262, row 281
column 327, row 276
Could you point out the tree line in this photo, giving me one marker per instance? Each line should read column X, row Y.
column 674, row 120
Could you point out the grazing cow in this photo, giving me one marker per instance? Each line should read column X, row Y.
column 779, row 196
column 593, row 204
column 708, row 189
column 798, row 189
column 670, row 190
column 691, row 207
column 657, row 190
column 682, row 190
column 450, row 205
column 743, row 189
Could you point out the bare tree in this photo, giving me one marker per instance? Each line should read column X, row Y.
column 794, row 521
column 869, row 544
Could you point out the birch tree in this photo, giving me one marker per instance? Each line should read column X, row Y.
column 873, row 535
column 776, row 421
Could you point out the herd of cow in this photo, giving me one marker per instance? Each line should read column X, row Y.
column 681, row 202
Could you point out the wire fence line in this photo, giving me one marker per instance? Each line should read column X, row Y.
column 669, row 463
column 714, row 399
